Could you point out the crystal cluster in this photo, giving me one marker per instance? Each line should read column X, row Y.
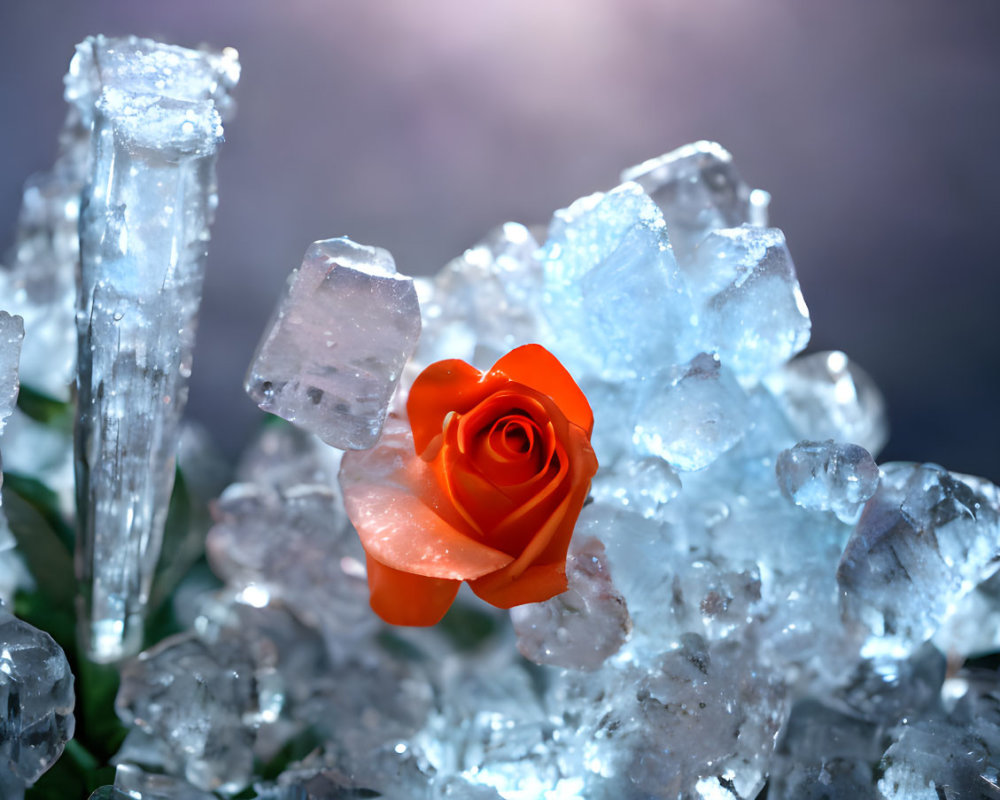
column 751, row 599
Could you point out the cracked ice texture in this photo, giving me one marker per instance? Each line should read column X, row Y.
column 952, row 756
column 925, row 540
column 36, row 698
column 296, row 545
column 145, row 217
column 698, row 721
column 335, row 348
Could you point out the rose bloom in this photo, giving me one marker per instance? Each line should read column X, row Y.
column 485, row 485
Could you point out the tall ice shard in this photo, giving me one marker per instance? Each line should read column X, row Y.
column 155, row 114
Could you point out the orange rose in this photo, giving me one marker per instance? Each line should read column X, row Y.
column 484, row 486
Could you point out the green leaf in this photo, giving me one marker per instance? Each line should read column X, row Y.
column 467, row 626
column 44, row 539
column 43, row 502
column 47, row 410
column 295, row 749
column 98, row 727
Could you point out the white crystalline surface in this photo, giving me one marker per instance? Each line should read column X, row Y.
column 334, row 350
column 154, row 114
column 193, row 698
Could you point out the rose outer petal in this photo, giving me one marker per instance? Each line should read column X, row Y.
column 534, row 366
column 401, row 598
column 443, row 387
column 454, row 385
column 535, row 585
column 401, row 532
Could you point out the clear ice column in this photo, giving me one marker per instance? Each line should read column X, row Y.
column 145, row 217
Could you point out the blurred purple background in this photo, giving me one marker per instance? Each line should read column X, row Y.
column 418, row 126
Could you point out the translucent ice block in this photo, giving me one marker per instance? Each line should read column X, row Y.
column 144, row 232
column 692, row 414
column 698, row 189
column 827, row 476
column 334, row 350
column 582, row 627
column 752, row 310
column 924, row 541
column 39, row 279
column 484, row 303
column 828, row 396
column 36, row 698
column 11, row 336
column 614, row 297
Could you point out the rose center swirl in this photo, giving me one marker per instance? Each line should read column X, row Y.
column 510, row 451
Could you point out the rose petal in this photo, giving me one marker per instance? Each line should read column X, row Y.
column 551, row 536
column 481, row 501
column 443, row 387
column 511, row 452
column 537, row 501
column 534, row 366
column 401, row 532
column 535, row 585
column 401, row 598
column 512, row 399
